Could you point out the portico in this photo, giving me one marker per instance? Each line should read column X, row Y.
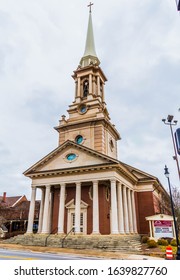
column 117, row 197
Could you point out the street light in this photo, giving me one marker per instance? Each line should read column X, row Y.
column 166, row 173
column 172, row 122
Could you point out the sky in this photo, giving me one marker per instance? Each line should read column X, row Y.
column 41, row 44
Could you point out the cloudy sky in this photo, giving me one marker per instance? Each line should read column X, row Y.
column 41, row 43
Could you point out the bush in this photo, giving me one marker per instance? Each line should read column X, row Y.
column 144, row 239
column 173, row 242
column 152, row 244
column 168, row 239
column 163, row 242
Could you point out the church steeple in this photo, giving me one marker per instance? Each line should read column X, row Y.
column 88, row 122
column 90, row 55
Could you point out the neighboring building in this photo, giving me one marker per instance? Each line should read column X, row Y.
column 14, row 214
column 85, row 188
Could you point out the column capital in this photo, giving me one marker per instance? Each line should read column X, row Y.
column 33, row 187
column 78, row 184
column 113, row 180
column 95, row 182
column 62, row 185
column 47, row 186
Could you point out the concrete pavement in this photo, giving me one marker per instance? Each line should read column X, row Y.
column 89, row 253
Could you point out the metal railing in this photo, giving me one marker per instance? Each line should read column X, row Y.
column 45, row 242
column 62, row 242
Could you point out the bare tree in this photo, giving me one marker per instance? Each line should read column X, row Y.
column 176, row 201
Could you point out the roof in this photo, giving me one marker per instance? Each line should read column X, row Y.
column 11, row 201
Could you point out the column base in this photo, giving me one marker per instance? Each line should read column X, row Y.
column 115, row 233
column 95, row 233
column 121, row 232
column 29, row 233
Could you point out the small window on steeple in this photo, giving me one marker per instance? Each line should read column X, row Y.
column 85, row 88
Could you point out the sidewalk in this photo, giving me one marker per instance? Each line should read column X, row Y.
column 87, row 253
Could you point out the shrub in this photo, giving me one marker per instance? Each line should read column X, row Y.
column 144, row 239
column 163, row 242
column 152, row 244
column 173, row 242
column 168, row 239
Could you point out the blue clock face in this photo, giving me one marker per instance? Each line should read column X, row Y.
column 79, row 139
column 71, row 157
column 83, row 109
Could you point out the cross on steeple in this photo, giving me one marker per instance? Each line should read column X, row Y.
column 90, row 4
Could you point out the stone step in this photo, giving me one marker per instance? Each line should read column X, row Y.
column 100, row 242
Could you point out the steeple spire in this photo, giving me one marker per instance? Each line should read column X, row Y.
column 90, row 56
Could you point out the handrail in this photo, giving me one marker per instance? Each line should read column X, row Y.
column 62, row 243
column 45, row 242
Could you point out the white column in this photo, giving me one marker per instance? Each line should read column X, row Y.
column 31, row 211
column 95, row 208
column 78, row 208
column 114, row 216
column 134, row 213
column 50, row 229
column 45, row 228
column 120, row 209
column 41, row 210
column 130, row 211
column 126, row 219
column 150, row 229
column 61, row 209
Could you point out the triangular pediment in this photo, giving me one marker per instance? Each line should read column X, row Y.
column 71, row 204
column 70, row 155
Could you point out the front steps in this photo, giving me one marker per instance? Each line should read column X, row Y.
column 125, row 243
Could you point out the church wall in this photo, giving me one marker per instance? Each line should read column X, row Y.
column 104, row 208
column 104, row 211
column 111, row 145
column 55, row 210
column 61, row 138
column 71, row 133
column 99, row 139
column 86, row 198
column 137, row 211
column 145, row 208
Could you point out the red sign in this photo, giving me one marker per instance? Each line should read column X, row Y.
column 160, row 223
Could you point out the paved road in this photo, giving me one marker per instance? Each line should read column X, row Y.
column 6, row 254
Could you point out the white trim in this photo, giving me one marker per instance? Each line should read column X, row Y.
column 17, row 201
column 71, row 210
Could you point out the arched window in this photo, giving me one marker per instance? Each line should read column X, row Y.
column 85, row 88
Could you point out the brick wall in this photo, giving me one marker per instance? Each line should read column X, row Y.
column 104, row 208
column 145, row 208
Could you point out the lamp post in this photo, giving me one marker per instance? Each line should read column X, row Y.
column 166, row 173
column 172, row 122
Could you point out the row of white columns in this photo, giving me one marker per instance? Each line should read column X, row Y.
column 123, row 214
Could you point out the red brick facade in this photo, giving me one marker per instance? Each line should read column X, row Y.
column 104, row 207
